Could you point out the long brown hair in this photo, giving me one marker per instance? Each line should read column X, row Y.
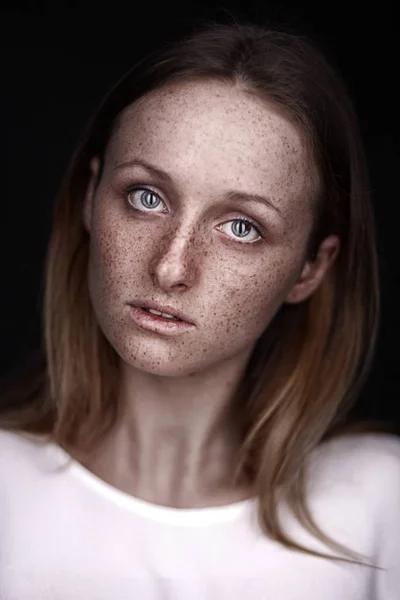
column 309, row 366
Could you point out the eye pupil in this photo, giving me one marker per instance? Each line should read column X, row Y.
column 239, row 228
column 149, row 199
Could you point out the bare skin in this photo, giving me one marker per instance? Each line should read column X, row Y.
column 176, row 441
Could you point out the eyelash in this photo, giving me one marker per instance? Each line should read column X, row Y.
column 134, row 188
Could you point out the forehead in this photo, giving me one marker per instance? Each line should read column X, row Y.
column 216, row 132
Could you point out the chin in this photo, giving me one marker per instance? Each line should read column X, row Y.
column 162, row 368
column 164, row 357
column 161, row 364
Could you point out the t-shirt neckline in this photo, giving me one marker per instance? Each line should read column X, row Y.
column 170, row 515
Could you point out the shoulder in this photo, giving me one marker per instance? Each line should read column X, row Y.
column 377, row 453
column 369, row 463
column 21, row 454
column 17, row 443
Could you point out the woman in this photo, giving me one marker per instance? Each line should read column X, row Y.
column 206, row 329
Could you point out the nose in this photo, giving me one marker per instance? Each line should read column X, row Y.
column 176, row 264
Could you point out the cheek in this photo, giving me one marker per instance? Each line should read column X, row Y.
column 116, row 253
column 256, row 289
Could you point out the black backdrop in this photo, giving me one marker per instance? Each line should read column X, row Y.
column 58, row 59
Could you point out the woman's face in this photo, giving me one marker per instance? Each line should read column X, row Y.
column 182, row 168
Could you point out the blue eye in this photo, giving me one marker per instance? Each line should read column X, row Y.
column 144, row 199
column 240, row 228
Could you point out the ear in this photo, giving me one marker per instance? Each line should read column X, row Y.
column 314, row 271
column 90, row 192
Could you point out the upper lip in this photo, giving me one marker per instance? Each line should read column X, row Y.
column 169, row 310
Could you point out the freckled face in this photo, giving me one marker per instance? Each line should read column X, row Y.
column 181, row 243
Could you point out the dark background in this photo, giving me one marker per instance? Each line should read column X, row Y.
column 58, row 59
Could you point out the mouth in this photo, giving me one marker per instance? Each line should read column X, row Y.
column 163, row 313
column 160, row 315
column 161, row 322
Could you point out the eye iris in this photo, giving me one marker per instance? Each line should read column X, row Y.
column 240, row 228
column 149, row 199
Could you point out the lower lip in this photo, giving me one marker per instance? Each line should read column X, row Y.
column 158, row 324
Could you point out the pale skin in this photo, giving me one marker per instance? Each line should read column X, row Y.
column 176, row 441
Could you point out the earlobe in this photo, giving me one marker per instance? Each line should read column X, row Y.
column 302, row 288
column 90, row 192
column 313, row 272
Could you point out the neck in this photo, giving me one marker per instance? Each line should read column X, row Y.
column 176, row 440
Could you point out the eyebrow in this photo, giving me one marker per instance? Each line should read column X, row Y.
column 163, row 176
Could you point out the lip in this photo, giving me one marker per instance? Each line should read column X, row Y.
column 157, row 324
column 162, row 308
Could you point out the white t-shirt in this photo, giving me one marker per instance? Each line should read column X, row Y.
column 65, row 534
